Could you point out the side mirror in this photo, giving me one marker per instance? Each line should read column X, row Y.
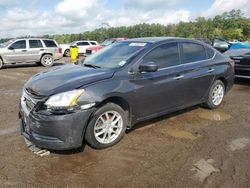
column 148, row 67
column 11, row 48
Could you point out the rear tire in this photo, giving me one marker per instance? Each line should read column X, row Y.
column 67, row 53
column 1, row 63
column 106, row 127
column 216, row 95
column 47, row 60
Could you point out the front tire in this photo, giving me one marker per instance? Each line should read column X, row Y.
column 216, row 95
column 106, row 127
column 47, row 60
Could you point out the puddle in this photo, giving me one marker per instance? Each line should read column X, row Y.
column 239, row 143
column 204, row 169
column 215, row 116
column 181, row 134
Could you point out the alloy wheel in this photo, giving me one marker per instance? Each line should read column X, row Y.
column 217, row 94
column 108, row 127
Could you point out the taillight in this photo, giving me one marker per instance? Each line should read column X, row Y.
column 232, row 62
column 60, row 50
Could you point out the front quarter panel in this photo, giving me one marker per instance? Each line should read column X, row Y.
column 120, row 85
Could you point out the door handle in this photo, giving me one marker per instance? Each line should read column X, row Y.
column 24, row 51
column 41, row 49
column 210, row 70
column 178, row 77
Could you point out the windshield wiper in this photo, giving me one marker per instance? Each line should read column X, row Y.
column 93, row 66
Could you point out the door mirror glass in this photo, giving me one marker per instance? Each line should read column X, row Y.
column 148, row 67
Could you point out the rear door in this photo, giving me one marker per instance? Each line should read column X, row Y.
column 17, row 52
column 35, row 49
column 162, row 90
column 199, row 71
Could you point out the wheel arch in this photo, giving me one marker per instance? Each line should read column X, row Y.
column 47, row 53
column 120, row 101
column 224, row 81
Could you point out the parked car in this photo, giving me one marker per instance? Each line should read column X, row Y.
column 82, row 46
column 242, row 61
column 221, row 44
column 107, row 42
column 127, row 82
column 31, row 50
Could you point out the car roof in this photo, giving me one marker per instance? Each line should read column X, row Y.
column 150, row 39
column 85, row 41
column 153, row 40
column 32, row 39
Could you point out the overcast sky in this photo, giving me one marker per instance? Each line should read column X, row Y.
column 38, row 17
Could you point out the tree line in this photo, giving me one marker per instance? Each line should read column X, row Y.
column 229, row 25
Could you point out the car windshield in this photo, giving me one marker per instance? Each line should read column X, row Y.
column 115, row 55
column 3, row 45
column 107, row 42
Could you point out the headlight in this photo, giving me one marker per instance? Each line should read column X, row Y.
column 64, row 100
column 94, row 51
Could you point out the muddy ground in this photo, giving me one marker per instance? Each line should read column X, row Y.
column 192, row 148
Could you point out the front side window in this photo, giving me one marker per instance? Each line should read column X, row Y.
column 35, row 44
column 166, row 55
column 193, row 52
column 21, row 44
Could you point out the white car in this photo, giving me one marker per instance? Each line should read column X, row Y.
column 82, row 46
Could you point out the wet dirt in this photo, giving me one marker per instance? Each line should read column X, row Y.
column 181, row 134
column 214, row 115
column 157, row 153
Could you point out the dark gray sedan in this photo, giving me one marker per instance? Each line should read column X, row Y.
column 110, row 91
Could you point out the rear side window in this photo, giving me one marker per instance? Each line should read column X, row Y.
column 193, row 52
column 82, row 44
column 21, row 44
column 93, row 43
column 35, row 44
column 210, row 53
column 165, row 55
column 49, row 43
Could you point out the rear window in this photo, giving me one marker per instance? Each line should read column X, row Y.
column 193, row 52
column 49, row 43
column 93, row 43
column 35, row 44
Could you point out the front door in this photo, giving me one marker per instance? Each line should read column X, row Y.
column 17, row 52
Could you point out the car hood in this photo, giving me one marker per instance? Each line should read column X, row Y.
column 65, row 78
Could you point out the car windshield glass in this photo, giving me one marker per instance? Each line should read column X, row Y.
column 115, row 55
column 3, row 45
column 107, row 42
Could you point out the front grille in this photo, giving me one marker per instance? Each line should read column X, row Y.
column 30, row 101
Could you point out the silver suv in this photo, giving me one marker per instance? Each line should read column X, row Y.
column 33, row 50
